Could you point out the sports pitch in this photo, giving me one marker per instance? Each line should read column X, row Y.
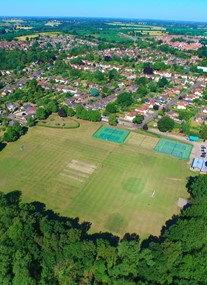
column 173, row 148
column 111, row 134
column 119, row 188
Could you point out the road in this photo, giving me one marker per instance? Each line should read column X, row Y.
column 169, row 104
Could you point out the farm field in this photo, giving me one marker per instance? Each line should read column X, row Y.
column 119, row 188
column 46, row 34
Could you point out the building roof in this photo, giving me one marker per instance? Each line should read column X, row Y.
column 197, row 163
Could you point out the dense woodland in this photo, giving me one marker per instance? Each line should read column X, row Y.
column 38, row 246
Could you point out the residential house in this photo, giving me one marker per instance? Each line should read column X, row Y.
column 182, row 105
column 199, row 118
column 142, row 110
column 130, row 117
column 11, row 107
column 173, row 114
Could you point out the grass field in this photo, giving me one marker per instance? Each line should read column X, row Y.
column 46, row 34
column 108, row 184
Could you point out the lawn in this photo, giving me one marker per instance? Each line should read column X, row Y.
column 108, row 184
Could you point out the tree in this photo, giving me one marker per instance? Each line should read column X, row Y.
column 31, row 121
column 138, row 119
column 142, row 80
column 162, row 82
column 203, row 132
column 111, row 108
column 142, row 90
column 70, row 112
column 156, row 107
column 145, row 127
column 62, row 113
column 159, row 65
column 1, row 85
column 79, row 109
column 185, row 127
column 99, row 76
column 13, row 132
column 113, row 74
column 152, row 87
column 186, row 114
column 94, row 115
column 124, row 99
column 166, row 124
column 148, row 70
column 112, row 119
column 52, row 106
column 41, row 114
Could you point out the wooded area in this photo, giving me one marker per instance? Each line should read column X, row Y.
column 41, row 247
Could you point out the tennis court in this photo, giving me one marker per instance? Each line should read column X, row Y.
column 176, row 149
column 111, row 134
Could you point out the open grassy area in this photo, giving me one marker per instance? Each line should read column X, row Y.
column 55, row 121
column 46, row 34
column 108, row 184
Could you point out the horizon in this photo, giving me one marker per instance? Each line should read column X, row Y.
column 186, row 11
column 105, row 18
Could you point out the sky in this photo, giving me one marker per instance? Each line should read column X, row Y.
column 187, row 10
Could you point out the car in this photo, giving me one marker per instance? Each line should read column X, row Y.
column 203, row 155
column 203, row 146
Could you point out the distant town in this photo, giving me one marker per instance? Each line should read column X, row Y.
column 152, row 66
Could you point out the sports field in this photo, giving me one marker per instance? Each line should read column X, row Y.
column 111, row 134
column 176, row 149
column 118, row 187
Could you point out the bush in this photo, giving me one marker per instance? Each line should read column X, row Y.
column 145, row 127
column 62, row 113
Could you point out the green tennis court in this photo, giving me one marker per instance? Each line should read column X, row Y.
column 176, row 149
column 111, row 134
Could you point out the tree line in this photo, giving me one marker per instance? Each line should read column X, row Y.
column 40, row 247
